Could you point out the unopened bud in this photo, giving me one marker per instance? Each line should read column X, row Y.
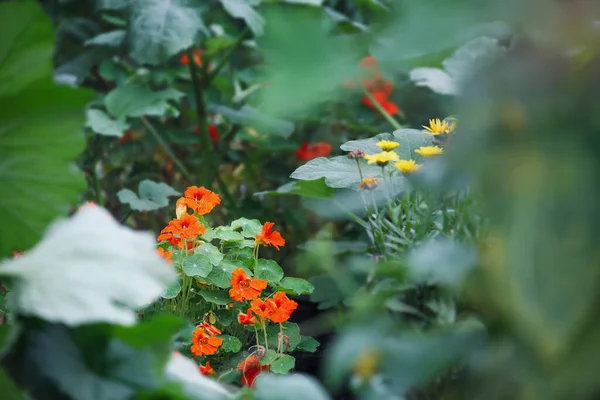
column 180, row 208
column 355, row 154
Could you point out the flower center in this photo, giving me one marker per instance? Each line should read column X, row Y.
column 245, row 283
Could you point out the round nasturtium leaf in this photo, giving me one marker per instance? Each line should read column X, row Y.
column 40, row 130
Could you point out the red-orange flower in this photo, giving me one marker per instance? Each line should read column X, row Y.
column 244, row 288
column 201, row 200
column 186, row 227
column 246, row 319
column 207, row 369
column 269, row 237
column 250, row 369
column 165, row 254
column 185, row 59
column 213, row 132
column 209, row 329
column 308, row 151
column 203, row 344
column 263, row 308
column 382, row 98
column 284, row 307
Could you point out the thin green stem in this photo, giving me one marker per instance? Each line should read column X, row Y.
column 266, row 340
column 215, row 71
column 97, row 187
column 163, row 143
column 381, row 110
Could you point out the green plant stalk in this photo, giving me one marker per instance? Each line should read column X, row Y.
column 215, row 71
column 163, row 143
column 381, row 110
column 97, row 188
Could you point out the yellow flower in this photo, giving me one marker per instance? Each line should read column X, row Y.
column 383, row 158
column 407, row 166
column 428, row 151
column 387, row 145
column 437, row 127
column 368, row 183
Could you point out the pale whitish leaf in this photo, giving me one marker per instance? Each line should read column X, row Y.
column 103, row 124
column 339, row 172
column 243, row 9
column 104, row 271
column 133, row 100
column 434, row 78
column 369, row 145
column 171, row 291
column 152, row 196
column 250, row 227
column 112, row 39
column 289, row 387
column 184, row 371
column 162, row 28
column 228, row 235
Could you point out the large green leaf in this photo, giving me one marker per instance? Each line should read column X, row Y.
column 10, row 391
column 230, row 344
column 133, row 100
column 160, row 29
column 339, row 172
column 409, row 139
column 221, row 274
column 297, row 286
column 212, row 252
column 102, row 123
column 104, row 271
column 152, row 196
column 250, row 227
column 197, row 265
column 249, row 116
column 316, row 189
column 283, row 364
column 268, row 270
column 39, row 135
column 243, row 9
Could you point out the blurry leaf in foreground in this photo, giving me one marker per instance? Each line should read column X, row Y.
column 152, row 196
column 339, row 172
column 185, row 371
column 441, row 262
column 306, row 65
column 10, row 391
column 104, row 271
column 39, row 135
column 289, row 387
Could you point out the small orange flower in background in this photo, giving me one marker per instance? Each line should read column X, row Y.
column 201, row 200
column 284, row 307
column 377, row 86
column 207, row 369
column 213, row 132
column 308, row 151
column 244, row 288
column 262, row 308
column 246, row 319
column 185, row 60
column 269, row 237
column 188, row 227
column 209, row 329
column 250, row 369
column 17, row 253
column 129, row 136
column 165, row 254
column 203, row 344
column 381, row 98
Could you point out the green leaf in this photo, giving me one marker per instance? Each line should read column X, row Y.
column 289, row 387
column 171, row 291
column 339, row 172
column 152, row 196
column 221, row 274
column 228, row 235
column 225, row 317
column 268, row 270
column 134, row 100
column 160, row 29
column 114, row 4
column 243, row 9
column 316, row 189
column 102, row 123
column 231, row 344
column 113, row 39
column 240, row 257
column 251, row 117
column 283, row 365
column 308, row 344
column 290, row 329
column 410, row 140
column 197, row 265
column 269, row 357
column 158, row 330
column 250, row 227
column 326, row 292
column 39, row 136
column 368, row 146
column 211, row 252
column 220, row 297
column 105, row 272
column 10, row 391
column 298, row 286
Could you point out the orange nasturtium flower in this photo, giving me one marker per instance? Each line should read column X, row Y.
column 185, row 59
column 188, row 227
column 269, row 237
column 244, row 288
column 203, row 344
column 284, row 307
column 262, row 308
column 250, row 369
column 246, row 319
column 164, row 254
column 210, row 329
column 207, row 369
column 201, row 200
